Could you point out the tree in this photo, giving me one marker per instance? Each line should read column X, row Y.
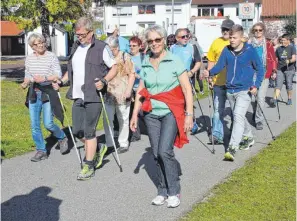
column 290, row 26
column 30, row 14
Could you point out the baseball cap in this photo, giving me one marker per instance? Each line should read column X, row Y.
column 228, row 23
column 111, row 29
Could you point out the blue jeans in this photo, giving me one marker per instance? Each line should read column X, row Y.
column 162, row 131
column 48, row 121
column 218, row 115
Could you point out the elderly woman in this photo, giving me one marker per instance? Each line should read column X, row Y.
column 266, row 53
column 118, row 97
column 41, row 68
column 168, row 112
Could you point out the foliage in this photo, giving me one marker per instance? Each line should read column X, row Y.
column 290, row 27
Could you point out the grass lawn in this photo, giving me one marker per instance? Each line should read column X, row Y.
column 16, row 135
column 264, row 189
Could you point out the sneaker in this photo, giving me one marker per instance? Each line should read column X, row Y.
column 273, row 102
column 216, row 141
column 63, row 144
column 100, row 155
column 86, row 173
column 173, row 201
column 246, row 143
column 158, row 200
column 39, row 156
column 201, row 92
column 123, row 149
column 259, row 126
column 195, row 128
column 289, row 102
column 229, row 155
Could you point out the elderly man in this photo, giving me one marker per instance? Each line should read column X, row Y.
column 90, row 59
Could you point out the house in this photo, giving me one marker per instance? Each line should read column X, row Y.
column 276, row 14
column 224, row 8
column 59, row 40
column 134, row 16
column 12, row 39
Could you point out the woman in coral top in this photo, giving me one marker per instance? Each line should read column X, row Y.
column 165, row 96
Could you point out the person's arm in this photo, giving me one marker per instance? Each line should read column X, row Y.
column 187, row 90
column 137, row 107
column 131, row 77
column 54, row 75
column 110, row 63
column 293, row 58
column 28, row 78
column 219, row 66
column 197, row 60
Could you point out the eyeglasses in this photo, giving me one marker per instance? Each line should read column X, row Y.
column 258, row 30
column 225, row 29
column 82, row 35
column 133, row 46
column 184, row 36
column 39, row 43
column 157, row 40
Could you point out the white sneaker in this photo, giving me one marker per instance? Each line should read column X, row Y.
column 159, row 200
column 173, row 201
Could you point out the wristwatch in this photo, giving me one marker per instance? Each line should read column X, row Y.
column 188, row 114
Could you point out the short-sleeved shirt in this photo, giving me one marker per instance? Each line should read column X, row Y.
column 213, row 55
column 188, row 54
column 124, row 44
column 137, row 61
column 161, row 80
column 283, row 54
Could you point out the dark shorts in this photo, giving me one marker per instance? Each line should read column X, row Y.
column 286, row 76
column 85, row 116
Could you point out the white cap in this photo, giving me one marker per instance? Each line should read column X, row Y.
column 111, row 28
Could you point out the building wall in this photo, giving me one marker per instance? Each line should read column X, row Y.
column 136, row 21
column 61, row 42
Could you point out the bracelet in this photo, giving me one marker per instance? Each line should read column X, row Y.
column 188, row 114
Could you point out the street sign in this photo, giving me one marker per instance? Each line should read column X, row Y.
column 246, row 10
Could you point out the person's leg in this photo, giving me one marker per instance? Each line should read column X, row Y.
column 240, row 125
column 35, row 111
column 260, row 104
column 123, row 118
column 78, row 119
column 153, row 125
column 218, row 116
column 134, row 136
column 110, row 109
column 200, row 82
column 289, row 75
column 279, row 84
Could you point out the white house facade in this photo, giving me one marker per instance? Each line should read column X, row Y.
column 133, row 17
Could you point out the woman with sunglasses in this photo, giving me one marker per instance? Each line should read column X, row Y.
column 165, row 96
column 137, row 58
column 266, row 53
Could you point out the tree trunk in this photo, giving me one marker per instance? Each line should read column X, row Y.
column 44, row 22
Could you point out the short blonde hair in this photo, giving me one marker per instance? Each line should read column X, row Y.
column 35, row 36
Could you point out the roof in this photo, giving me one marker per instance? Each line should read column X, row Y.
column 9, row 28
column 221, row 2
column 277, row 8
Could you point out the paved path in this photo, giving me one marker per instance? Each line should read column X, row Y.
column 49, row 190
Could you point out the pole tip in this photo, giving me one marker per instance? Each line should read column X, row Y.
column 273, row 138
column 121, row 169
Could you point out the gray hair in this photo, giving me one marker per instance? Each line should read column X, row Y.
column 35, row 36
column 180, row 30
column 112, row 42
column 84, row 22
column 155, row 28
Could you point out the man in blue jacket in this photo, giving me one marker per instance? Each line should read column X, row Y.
column 244, row 76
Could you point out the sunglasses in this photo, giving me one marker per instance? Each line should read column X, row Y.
column 133, row 46
column 39, row 43
column 258, row 30
column 184, row 36
column 225, row 29
column 157, row 40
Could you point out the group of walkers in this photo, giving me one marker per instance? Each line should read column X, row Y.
column 151, row 78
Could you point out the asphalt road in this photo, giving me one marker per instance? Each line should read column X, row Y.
column 48, row 190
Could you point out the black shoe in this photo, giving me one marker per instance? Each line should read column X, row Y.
column 216, row 141
column 63, row 144
column 259, row 126
column 39, row 156
column 273, row 102
column 135, row 139
column 123, row 149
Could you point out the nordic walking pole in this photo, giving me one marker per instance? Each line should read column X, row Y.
column 273, row 137
column 194, row 91
column 210, row 114
column 109, row 128
column 70, row 130
column 279, row 116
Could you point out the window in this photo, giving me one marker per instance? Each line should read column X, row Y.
column 177, row 8
column 144, row 25
column 122, row 28
column 21, row 40
column 122, row 11
column 146, row 9
column 209, row 10
column 220, row 12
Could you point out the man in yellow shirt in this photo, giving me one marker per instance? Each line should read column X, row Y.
column 218, row 82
